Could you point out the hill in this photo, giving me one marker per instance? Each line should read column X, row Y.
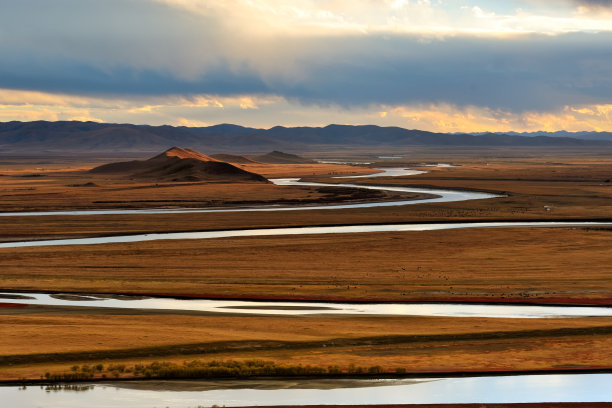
column 178, row 164
column 277, row 157
column 233, row 158
column 60, row 137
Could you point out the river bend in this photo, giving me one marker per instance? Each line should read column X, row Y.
column 441, row 196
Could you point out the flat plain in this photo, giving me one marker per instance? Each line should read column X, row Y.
column 560, row 266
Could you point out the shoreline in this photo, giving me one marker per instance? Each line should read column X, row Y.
column 460, row 405
column 354, row 377
column 472, row 300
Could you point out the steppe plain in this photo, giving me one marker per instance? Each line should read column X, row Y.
column 541, row 266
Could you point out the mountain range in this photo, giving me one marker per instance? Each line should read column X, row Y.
column 75, row 136
column 586, row 135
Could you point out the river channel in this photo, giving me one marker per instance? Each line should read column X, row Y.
column 439, row 196
column 191, row 394
column 306, row 308
column 260, row 232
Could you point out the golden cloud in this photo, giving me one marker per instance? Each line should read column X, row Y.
column 448, row 118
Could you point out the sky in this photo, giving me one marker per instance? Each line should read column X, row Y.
column 437, row 65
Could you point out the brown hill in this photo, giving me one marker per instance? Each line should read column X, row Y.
column 179, row 164
column 277, row 157
column 233, row 158
column 183, row 153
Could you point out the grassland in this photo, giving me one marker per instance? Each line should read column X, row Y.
column 47, row 339
column 429, row 265
column 495, row 265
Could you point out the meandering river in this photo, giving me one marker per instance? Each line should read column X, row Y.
column 260, row 232
column 440, row 196
column 492, row 389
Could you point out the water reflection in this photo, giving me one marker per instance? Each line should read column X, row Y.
column 317, row 308
column 485, row 390
column 344, row 229
column 66, row 387
column 387, row 172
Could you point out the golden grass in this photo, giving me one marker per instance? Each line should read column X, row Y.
column 575, row 189
column 520, row 264
column 56, row 190
column 524, row 264
column 50, row 335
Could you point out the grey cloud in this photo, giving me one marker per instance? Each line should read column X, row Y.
column 594, row 3
column 133, row 47
column 530, row 72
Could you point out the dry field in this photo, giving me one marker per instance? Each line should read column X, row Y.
column 47, row 339
column 554, row 265
column 550, row 188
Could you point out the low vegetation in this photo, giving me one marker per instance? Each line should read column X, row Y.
column 209, row 369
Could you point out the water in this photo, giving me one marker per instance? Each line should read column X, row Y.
column 440, row 196
column 346, row 229
column 484, row 390
column 388, row 172
column 309, row 308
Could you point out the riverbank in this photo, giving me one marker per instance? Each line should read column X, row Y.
column 224, row 375
column 515, row 405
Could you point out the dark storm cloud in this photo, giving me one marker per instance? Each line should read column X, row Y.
column 75, row 77
column 133, row 47
column 528, row 72
column 594, row 3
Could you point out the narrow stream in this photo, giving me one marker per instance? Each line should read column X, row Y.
column 260, row 232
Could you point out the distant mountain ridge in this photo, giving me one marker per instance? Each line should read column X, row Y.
column 277, row 157
column 73, row 136
column 584, row 135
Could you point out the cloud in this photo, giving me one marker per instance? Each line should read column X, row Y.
column 448, row 118
column 140, row 49
column 594, row 3
column 204, row 110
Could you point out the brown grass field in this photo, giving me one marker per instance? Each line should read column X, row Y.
column 559, row 265
column 494, row 265
column 47, row 339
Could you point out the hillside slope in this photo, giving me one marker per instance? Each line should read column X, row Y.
column 179, row 164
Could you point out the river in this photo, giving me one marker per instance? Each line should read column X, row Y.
column 440, row 196
column 260, row 232
column 191, row 394
column 306, row 308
